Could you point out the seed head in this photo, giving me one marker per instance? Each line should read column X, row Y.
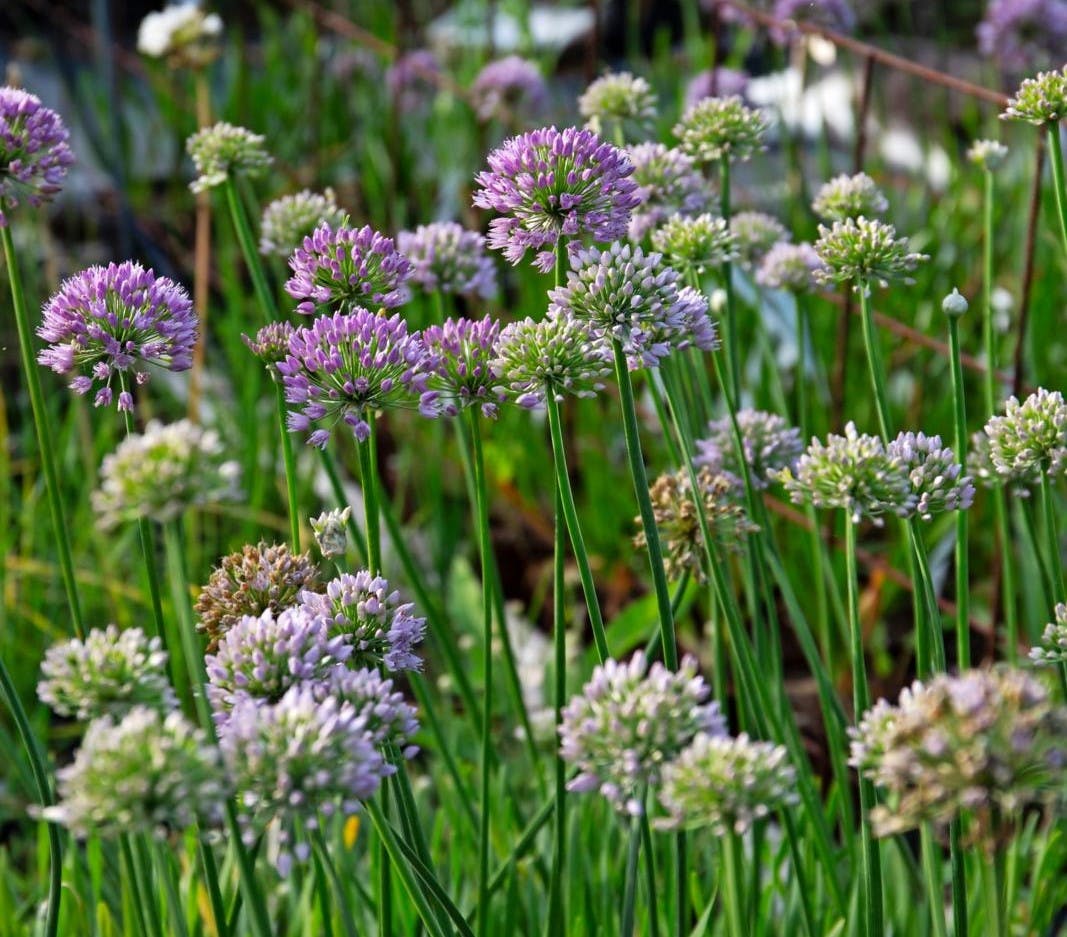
column 696, row 243
column 1031, row 437
column 1041, row 100
column 860, row 251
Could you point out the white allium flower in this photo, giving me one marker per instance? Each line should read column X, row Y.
column 182, row 33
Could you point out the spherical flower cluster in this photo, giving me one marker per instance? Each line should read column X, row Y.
column 375, row 624
column 790, row 267
column 510, row 90
column 1052, row 649
column 263, row 657
column 755, row 233
column 937, row 479
column 558, row 355
column 712, row 83
column 981, row 468
column 629, row 721
column 106, row 674
column 1024, row 35
column 223, row 151
column 987, row 154
column 108, row 320
column 345, row 267
column 181, row 33
column 1031, row 437
column 412, row 80
column 726, row 784
column 34, row 154
column 717, row 128
column 162, row 472
column 696, row 243
column 987, row 741
column 463, row 351
column 291, row 218
column 331, row 531
column 621, row 102
column 668, row 184
column 553, row 184
column 271, row 343
column 845, row 197
column 150, row 772
column 859, row 251
column 446, row 257
column 257, row 579
column 769, row 443
column 1041, row 100
column 345, row 368
column 388, row 718
column 853, row 472
column 675, row 511
column 835, row 15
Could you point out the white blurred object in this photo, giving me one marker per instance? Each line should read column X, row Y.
column 828, row 102
column 179, row 29
column 549, row 28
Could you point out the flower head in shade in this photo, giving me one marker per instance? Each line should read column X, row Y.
column 291, row 218
column 446, row 257
column 149, row 772
column 859, row 250
column 755, row 233
column 668, row 184
column 298, row 759
column 331, row 531
column 695, row 243
column 835, row 15
column 343, row 267
column 223, row 151
column 629, row 721
column 726, row 784
column 987, row 154
column 770, row 444
column 845, row 197
column 619, row 102
column 557, row 355
column 1024, row 35
column 1031, row 437
column 790, row 267
column 271, row 343
column 161, row 473
column 981, row 468
column 712, row 83
column 388, row 718
column 113, row 320
column 853, row 472
column 675, row 511
column 550, row 185
column 987, row 741
column 106, row 674
column 413, row 79
column 510, row 90
column 376, row 625
column 257, row 579
column 1041, row 100
column 34, row 154
column 715, row 128
column 937, row 479
column 1052, row 649
column 463, row 351
column 181, row 33
column 345, row 368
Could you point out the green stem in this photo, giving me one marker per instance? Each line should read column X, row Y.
column 330, row 467
column 961, row 925
column 733, row 898
column 368, row 475
column 290, row 468
column 874, row 361
column 322, row 893
column 1011, row 620
column 138, row 876
column 650, row 881
column 629, row 892
column 993, row 887
column 557, row 899
column 931, row 862
column 1059, row 184
column 963, row 610
column 247, row 242
column 1052, row 535
column 214, row 891
column 43, row 430
column 173, row 898
column 733, row 354
column 323, row 860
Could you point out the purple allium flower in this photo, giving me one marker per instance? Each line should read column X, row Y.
column 835, row 15
column 552, row 184
column 378, row 627
column 620, row 102
column 389, row 719
column 412, row 79
column 633, row 298
column 790, row 267
column 447, row 257
column 263, row 656
column 714, row 128
column 1052, row 649
column 1024, row 35
column 755, row 233
column 347, row 267
column 770, row 444
column 629, row 721
column 106, row 674
column 463, row 351
column 105, row 320
column 668, row 184
column 510, row 90
column 864, row 252
column 34, row 155
column 1031, row 437
column 847, row 196
column 557, row 355
column 937, row 479
column 713, row 83
column 271, row 343
column 291, row 218
column 345, row 368
column 223, row 151
column 1041, row 100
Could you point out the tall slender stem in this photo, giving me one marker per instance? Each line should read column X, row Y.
column 1059, row 184
column 733, row 897
column 201, row 253
column 729, row 317
column 931, row 861
column 368, row 476
column 874, row 360
column 629, row 891
column 290, row 468
column 557, row 899
column 993, row 888
column 963, row 610
column 267, row 303
column 1052, row 535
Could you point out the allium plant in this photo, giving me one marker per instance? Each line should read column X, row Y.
column 341, row 268
column 1041, row 100
column 331, row 532
column 668, row 184
column 34, row 153
column 629, row 722
column 162, row 472
column 712, row 83
column 619, row 102
column 845, row 197
column 346, row 368
column 510, row 90
column 271, row 343
column 463, row 352
column 114, row 320
column 1024, row 35
column 222, row 152
column 375, row 624
column 987, row 154
column 937, row 479
column 445, row 257
column 182, row 34
column 717, row 128
column 291, row 218
column 107, row 674
column 696, row 243
column 149, row 772
column 769, row 443
column 388, row 718
column 791, row 267
column 1052, row 648
column 550, row 185
column 1030, row 438
column 412, row 79
column 862, row 251
column 755, row 233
